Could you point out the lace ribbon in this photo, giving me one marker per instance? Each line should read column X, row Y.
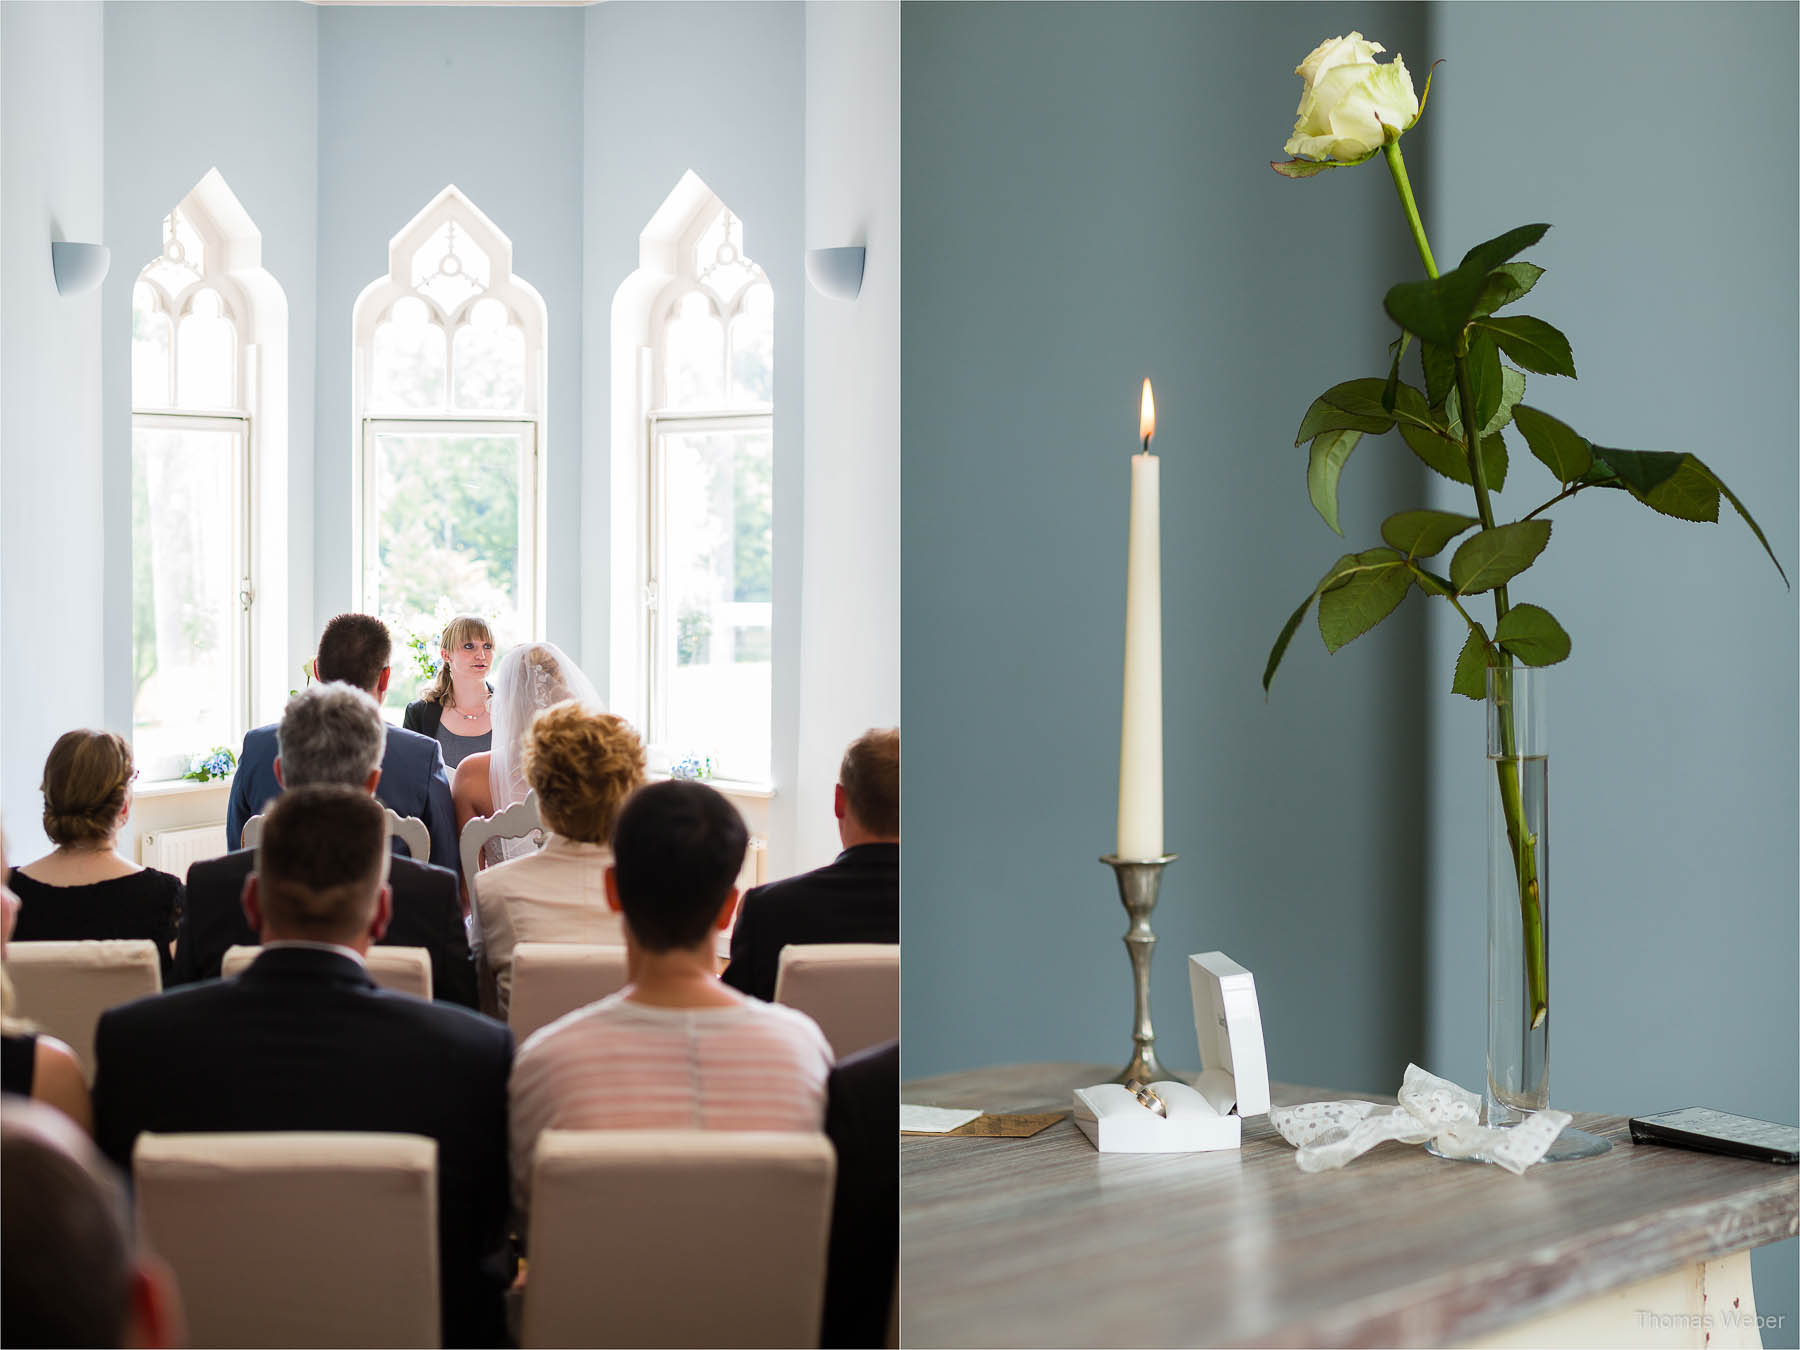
column 1329, row 1134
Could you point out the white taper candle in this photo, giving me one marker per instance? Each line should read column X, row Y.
column 1140, row 740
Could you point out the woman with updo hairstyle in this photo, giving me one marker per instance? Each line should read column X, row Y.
column 84, row 888
column 583, row 764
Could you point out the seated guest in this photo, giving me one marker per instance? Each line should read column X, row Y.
column 454, row 711
column 72, row 1271
column 354, row 649
column 862, row 1118
column 853, row 899
column 582, row 763
column 330, row 733
column 84, row 889
column 32, row 1065
column 305, row 1040
column 674, row 1049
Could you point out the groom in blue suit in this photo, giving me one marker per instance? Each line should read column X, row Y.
column 355, row 649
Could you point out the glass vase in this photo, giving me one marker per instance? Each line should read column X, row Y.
column 1518, row 887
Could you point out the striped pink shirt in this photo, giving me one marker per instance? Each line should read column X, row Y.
column 619, row 1065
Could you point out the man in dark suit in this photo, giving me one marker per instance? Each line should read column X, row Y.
column 330, row 733
column 305, row 1040
column 862, row 1118
column 854, row 899
column 354, row 649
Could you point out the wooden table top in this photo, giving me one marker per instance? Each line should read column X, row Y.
column 1047, row 1242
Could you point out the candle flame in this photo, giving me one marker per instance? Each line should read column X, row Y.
column 1147, row 417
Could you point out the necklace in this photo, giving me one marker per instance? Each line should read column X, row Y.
column 469, row 717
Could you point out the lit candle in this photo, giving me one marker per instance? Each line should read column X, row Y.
column 1140, row 740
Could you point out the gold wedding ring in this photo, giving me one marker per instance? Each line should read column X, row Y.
column 1147, row 1097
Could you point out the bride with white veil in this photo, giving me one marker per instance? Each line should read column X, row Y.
column 528, row 679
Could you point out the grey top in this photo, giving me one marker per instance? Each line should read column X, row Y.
column 458, row 748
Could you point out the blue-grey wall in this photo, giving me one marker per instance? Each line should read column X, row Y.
column 192, row 87
column 1086, row 201
column 719, row 89
column 1673, row 892
column 412, row 98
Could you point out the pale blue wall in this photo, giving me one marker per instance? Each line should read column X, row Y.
column 1673, row 769
column 52, row 535
column 719, row 89
column 1086, row 200
column 412, row 98
column 192, row 87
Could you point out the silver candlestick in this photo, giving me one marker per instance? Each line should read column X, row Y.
column 1139, row 880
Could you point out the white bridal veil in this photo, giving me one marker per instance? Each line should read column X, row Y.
column 528, row 679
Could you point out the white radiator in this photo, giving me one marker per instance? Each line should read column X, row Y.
column 172, row 850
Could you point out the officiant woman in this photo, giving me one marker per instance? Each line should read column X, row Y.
column 455, row 708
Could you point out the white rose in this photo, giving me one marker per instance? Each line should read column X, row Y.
column 1352, row 103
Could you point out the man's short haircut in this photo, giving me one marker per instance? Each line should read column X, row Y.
column 354, row 648
column 330, row 733
column 321, row 862
column 677, row 848
column 870, row 774
column 582, row 763
column 67, row 1250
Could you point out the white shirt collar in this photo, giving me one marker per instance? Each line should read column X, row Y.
column 310, row 945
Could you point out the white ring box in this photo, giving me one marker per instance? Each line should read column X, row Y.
column 1233, row 1083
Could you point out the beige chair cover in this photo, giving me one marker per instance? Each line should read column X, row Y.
column 553, row 978
column 851, row 989
column 283, row 1239
column 405, row 969
column 678, row 1238
column 410, row 829
column 63, row 987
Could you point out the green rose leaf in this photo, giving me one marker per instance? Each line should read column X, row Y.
column 1361, row 597
column 1675, row 484
column 1533, row 344
column 1484, row 378
column 1440, row 372
column 1530, row 633
column 1288, row 629
column 1447, row 457
column 1330, row 450
column 1421, row 534
column 1512, row 389
column 1354, row 405
column 1303, row 168
column 1391, row 390
column 1505, row 284
column 1431, row 583
column 1494, row 557
column 1563, row 451
column 1471, row 666
column 1749, row 520
column 1438, row 309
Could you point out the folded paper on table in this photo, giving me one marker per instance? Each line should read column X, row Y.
column 934, row 1119
column 1233, row 1083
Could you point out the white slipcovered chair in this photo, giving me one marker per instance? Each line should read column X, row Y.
column 678, row 1238
column 283, row 1239
column 515, row 822
column 851, row 989
column 63, row 987
column 409, row 829
column 553, row 978
column 405, row 969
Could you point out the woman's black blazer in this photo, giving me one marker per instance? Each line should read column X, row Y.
column 424, row 716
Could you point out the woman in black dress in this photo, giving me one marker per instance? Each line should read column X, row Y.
column 32, row 1065
column 455, row 709
column 84, row 888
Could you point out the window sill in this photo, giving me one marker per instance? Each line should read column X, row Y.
column 731, row 787
column 180, row 787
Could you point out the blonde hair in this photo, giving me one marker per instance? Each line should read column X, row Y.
column 84, row 785
column 458, row 631
column 582, row 764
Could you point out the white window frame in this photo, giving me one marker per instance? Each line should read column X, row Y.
column 232, row 268
column 525, row 307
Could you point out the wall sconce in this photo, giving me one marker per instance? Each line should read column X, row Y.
column 79, row 267
column 836, row 272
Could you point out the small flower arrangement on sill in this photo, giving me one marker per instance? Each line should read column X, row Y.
column 210, row 764
column 425, row 655
column 692, row 767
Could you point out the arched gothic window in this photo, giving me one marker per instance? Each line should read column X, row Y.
column 449, row 394
column 203, row 313
column 701, row 638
